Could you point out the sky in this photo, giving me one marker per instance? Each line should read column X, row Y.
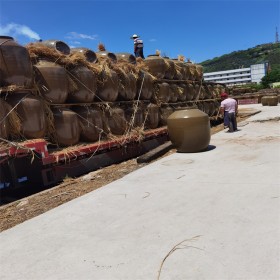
column 199, row 30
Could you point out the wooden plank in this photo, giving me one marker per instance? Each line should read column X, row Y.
column 155, row 153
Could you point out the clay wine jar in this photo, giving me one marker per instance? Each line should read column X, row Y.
column 15, row 64
column 67, row 127
column 91, row 122
column 189, row 130
column 51, row 80
column 157, row 65
column 30, row 110
column 85, row 85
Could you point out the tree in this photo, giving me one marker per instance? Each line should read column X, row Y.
column 271, row 77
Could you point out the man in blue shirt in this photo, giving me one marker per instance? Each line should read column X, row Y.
column 138, row 46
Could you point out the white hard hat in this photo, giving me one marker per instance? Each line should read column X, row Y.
column 135, row 36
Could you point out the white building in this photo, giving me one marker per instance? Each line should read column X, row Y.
column 252, row 74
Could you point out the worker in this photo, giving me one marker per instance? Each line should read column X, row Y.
column 229, row 109
column 138, row 46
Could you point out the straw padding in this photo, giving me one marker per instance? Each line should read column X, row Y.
column 10, row 119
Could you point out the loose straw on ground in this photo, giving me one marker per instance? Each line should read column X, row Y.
column 177, row 247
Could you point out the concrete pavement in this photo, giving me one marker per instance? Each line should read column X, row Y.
column 221, row 207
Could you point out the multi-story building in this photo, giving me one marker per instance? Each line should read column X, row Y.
column 252, row 74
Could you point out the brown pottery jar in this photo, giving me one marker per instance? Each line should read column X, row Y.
column 15, row 64
column 189, row 130
column 67, row 126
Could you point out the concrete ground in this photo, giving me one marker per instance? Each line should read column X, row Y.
column 211, row 215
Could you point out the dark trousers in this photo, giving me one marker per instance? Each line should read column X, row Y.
column 139, row 53
column 232, row 122
column 226, row 119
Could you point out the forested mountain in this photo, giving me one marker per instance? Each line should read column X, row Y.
column 241, row 59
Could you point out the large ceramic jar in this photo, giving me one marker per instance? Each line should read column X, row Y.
column 15, row 64
column 157, row 65
column 208, row 91
column 108, row 89
column 270, row 100
column 264, row 101
column 182, row 92
column 190, row 92
column 190, row 69
column 30, row 110
column 115, row 121
column 152, row 111
column 134, row 116
column 103, row 55
column 163, row 94
column 211, row 105
column 181, row 71
column 199, row 92
column 91, row 122
column 90, row 55
column 57, row 45
column 67, row 127
column 51, row 80
column 85, row 82
column 145, row 85
column 171, row 70
column 189, row 130
column 206, row 107
column 198, row 72
column 164, row 113
column 127, row 87
column 126, row 57
column 173, row 93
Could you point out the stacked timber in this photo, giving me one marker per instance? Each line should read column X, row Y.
column 71, row 96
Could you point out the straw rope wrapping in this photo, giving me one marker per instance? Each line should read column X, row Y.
column 14, row 120
column 18, row 147
column 180, row 90
column 50, row 123
column 198, row 95
column 136, row 107
column 103, row 75
column 155, row 97
column 14, row 127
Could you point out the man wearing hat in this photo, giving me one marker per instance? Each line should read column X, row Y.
column 229, row 109
column 138, row 46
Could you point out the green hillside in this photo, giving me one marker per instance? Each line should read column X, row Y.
column 241, row 59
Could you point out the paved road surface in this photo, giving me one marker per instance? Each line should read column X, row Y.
column 222, row 206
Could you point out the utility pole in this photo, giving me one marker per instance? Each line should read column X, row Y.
column 276, row 36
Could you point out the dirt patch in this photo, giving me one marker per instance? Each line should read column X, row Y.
column 32, row 206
